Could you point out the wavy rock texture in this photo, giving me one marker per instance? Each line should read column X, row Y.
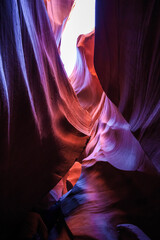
column 105, row 198
column 43, row 128
column 127, row 60
column 112, row 97
column 127, row 64
column 84, row 79
column 58, row 11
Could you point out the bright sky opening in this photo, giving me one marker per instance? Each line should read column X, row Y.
column 81, row 21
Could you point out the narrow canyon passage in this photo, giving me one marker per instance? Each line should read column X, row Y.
column 79, row 119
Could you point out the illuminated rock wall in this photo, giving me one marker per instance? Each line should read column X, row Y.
column 111, row 99
column 43, row 128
